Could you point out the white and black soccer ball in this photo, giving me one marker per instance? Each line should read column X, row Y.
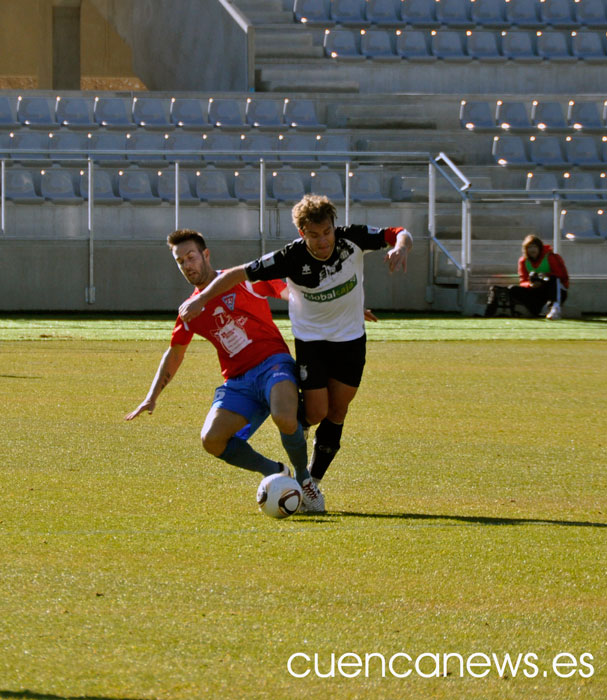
column 278, row 496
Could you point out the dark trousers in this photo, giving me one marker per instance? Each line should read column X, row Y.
column 535, row 298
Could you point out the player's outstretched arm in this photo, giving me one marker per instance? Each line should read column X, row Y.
column 397, row 257
column 169, row 364
column 222, row 283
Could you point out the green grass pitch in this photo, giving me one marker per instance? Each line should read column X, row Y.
column 467, row 515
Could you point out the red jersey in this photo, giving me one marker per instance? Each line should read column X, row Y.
column 555, row 262
column 240, row 326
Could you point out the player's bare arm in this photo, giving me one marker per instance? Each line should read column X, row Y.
column 167, row 369
column 397, row 257
column 222, row 283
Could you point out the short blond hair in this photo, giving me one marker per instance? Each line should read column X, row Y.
column 313, row 209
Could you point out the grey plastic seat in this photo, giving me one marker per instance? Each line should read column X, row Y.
column 313, row 13
column 108, row 148
column 524, row 14
column 483, row 46
column 29, row 147
column 247, row 187
column 215, row 142
column 519, row 46
column 5, row 141
column 414, row 45
column 300, row 114
column 348, row 12
column 211, row 187
column 20, row 187
column 512, row 116
column 365, row 187
column 589, row 47
column 600, row 220
column 252, row 148
column 584, row 116
column 377, row 45
column 549, row 116
column 399, row 189
column 341, row 44
column 152, row 113
column 103, row 188
column 75, row 113
column 546, row 151
column 286, row 185
column 332, row 142
column 177, row 145
column 557, row 13
column 579, row 181
column 113, row 113
column 36, row 113
column 190, row 114
column 329, row 183
column 579, row 226
column 226, row 114
column 591, row 14
column 546, row 183
column 448, row 45
column 139, row 142
column 509, row 151
column 383, row 13
column 488, row 13
column 134, row 186
column 454, row 14
column 57, row 186
column 553, row 46
column 582, row 151
column 289, row 144
column 265, row 115
column 476, row 115
column 419, row 13
column 68, row 147
column 8, row 118
column 166, row 188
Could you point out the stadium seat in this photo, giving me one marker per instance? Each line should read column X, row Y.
column 166, row 187
column 134, row 186
column 140, row 141
column 226, row 114
column 57, row 186
column 286, row 185
column 518, row 46
column 413, row 45
column 217, row 141
column 341, row 44
column 448, row 45
column 247, row 187
column 512, row 116
column 509, row 150
column 383, row 13
column 332, row 142
column 329, row 183
column 181, row 141
column 553, row 46
column 523, row 14
column 313, row 13
column 68, row 147
column 419, row 13
column 75, row 113
column 36, row 144
column 546, row 183
column 477, row 116
column 575, row 181
column 377, row 45
column 5, row 141
column 113, row 113
column 265, row 115
column 300, row 114
column 582, row 151
column 36, row 113
column 588, row 46
column 252, row 148
column 546, row 151
column 584, row 116
column 152, row 113
column 548, row 116
column 7, row 114
column 290, row 143
column 399, row 189
column 483, row 46
column 190, row 114
column 108, row 148
column 211, row 187
column 601, row 223
column 591, row 14
column 579, row 226
column 557, row 13
column 19, row 187
column 348, row 12
column 454, row 13
column 365, row 187
column 103, row 189
column 488, row 13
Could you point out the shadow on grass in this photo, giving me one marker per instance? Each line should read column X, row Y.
column 474, row 519
column 29, row 695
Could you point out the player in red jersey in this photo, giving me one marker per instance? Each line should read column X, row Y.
column 259, row 372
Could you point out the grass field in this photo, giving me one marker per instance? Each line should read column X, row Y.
column 467, row 515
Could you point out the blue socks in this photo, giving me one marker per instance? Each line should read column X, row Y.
column 239, row 453
column 297, row 449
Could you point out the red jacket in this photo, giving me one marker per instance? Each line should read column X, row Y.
column 557, row 267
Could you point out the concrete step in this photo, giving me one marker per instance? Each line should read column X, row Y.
column 377, row 115
column 286, row 45
column 296, row 78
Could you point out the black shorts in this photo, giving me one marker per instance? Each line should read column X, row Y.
column 321, row 360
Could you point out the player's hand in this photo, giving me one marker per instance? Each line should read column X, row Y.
column 370, row 316
column 191, row 308
column 148, row 405
column 397, row 258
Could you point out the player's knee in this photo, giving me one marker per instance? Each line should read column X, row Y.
column 213, row 443
column 285, row 421
column 316, row 414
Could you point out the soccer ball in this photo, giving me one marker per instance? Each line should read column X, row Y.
column 278, row 496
